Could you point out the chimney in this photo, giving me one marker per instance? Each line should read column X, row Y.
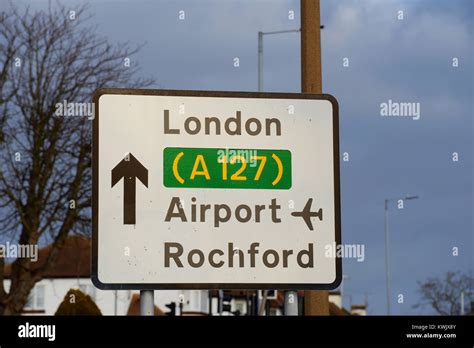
column 335, row 297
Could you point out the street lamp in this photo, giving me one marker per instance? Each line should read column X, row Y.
column 387, row 248
column 260, row 89
column 293, row 294
column 260, row 51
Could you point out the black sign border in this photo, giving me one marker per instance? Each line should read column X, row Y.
column 215, row 94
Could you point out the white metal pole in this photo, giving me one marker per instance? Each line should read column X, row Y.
column 260, row 61
column 221, row 302
column 462, row 302
column 115, row 302
column 147, row 305
column 291, row 302
column 260, row 89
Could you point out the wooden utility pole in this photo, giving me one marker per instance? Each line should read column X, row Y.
column 315, row 302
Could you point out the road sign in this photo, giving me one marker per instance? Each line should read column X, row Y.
column 203, row 190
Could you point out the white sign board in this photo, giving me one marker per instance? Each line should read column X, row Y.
column 205, row 190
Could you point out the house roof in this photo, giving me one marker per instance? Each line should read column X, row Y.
column 74, row 260
column 358, row 306
column 335, row 310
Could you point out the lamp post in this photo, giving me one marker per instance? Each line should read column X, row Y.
column 260, row 52
column 290, row 296
column 387, row 248
column 260, row 89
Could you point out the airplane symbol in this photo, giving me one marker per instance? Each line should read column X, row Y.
column 307, row 214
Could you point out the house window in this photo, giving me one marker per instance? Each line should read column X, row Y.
column 240, row 306
column 36, row 298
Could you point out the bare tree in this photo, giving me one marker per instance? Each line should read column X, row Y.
column 444, row 295
column 48, row 58
column 9, row 46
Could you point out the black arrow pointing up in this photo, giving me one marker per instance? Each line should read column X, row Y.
column 129, row 169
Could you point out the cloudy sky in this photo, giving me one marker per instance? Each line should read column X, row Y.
column 407, row 60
